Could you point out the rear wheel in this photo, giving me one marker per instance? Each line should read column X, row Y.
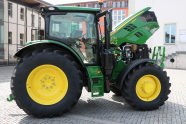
column 146, row 87
column 46, row 83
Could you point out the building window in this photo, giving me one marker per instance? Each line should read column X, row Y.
column 21, row 39
column 95, row 5
column 118, row 4
column 9, row 37
column 39, row 23
column 33, row 18
column 105, row 5
column 32, row 37
column 86, row 5
column 114, row 5
column 22, row 14
column 56, row 27
column 118, row 16
column 10, row 9
column 123, row 4
column 80, row 25
column 170, row 33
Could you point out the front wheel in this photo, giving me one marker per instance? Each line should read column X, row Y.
column 146, row 87
column 46, row 83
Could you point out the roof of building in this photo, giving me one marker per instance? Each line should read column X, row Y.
column 44, row 2
column 32, row 3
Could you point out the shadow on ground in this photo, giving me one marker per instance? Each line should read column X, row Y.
column 114, row 109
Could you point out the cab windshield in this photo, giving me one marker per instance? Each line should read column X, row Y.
column 78, row 29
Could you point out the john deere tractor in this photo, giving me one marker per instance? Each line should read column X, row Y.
column 50, row 74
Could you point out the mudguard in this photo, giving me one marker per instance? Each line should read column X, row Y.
column 31, row 46
column 127, row 69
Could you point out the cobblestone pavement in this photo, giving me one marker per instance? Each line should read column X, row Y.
column 109, row 109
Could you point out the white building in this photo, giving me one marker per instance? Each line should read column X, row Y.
column 172, row 33
column 20, row 22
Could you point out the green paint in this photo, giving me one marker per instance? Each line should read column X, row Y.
column 43, row 41
column 94, row 72
column 56, row 42
column 159, row 53
column 72, row 8
column 118, row 68
column 10, row 98
column 120, row 35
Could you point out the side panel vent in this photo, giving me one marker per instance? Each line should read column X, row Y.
column 139, row 34
column 130, row 27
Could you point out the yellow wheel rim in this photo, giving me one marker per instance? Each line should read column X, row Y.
column 148, row 88
column 47, row 84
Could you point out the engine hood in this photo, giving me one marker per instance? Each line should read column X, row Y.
column 137, row 28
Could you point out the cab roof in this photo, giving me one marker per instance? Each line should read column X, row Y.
column 68, row 8
column 77, row 8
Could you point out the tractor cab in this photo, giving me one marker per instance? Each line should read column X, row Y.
column 76, row 28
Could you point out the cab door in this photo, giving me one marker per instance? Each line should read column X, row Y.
column 78, row 30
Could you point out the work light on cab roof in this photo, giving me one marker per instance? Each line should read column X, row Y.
column 100, row 3
column 51, row 8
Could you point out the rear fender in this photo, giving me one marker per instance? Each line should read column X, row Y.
column 33, row 45
column 127, row 69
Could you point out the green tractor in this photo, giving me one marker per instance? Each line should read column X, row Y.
column 50, row 74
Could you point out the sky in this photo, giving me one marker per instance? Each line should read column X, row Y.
column 66, row 1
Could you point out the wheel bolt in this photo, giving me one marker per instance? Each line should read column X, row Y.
column 50, row 86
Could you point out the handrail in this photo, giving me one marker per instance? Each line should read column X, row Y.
column 175, row 48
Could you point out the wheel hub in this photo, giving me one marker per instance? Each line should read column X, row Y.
column 47, row 84
column 148, row 88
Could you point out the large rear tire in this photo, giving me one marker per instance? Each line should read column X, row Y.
column 46, row 83
column 146, row 87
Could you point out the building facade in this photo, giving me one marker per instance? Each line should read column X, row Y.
column 20, row 22
column 172, row 32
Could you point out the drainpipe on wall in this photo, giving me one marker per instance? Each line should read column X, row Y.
column 26, row 24
column 8, row 37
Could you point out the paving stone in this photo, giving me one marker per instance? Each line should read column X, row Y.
column 109, row 109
